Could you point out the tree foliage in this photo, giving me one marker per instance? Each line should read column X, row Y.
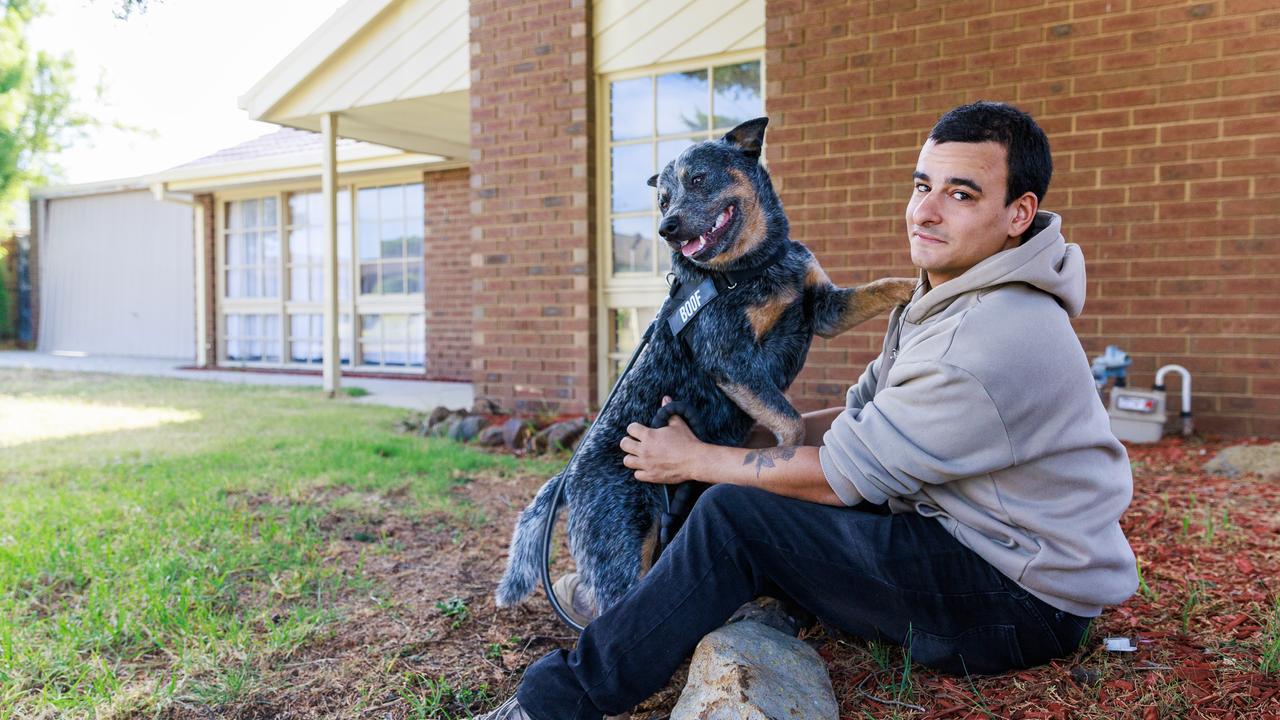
column 37, row 115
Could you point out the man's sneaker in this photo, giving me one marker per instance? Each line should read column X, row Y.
column 573, row 599
column 509, row 710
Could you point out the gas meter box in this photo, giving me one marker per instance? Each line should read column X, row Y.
column 1137, row 415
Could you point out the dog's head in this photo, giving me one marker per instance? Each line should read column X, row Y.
column 717, row 202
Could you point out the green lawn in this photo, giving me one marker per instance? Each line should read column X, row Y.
column 163, row 560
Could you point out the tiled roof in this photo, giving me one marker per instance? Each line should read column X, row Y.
column 285, row 141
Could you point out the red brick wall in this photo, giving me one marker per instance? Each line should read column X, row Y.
column 1164, row 117
column 532, row 213
column 447, row 251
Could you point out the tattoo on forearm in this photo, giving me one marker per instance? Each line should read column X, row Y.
column 766, row 457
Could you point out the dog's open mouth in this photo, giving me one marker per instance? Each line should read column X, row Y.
column 694, row 247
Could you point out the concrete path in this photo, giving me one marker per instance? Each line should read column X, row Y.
column 407, row 393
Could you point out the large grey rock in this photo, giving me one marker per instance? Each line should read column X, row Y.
column 1238, row 459
column 467, row 428
column 560, row 436
column 516, row 432
column 746, row 671
column 490, row 436
column 444, row 428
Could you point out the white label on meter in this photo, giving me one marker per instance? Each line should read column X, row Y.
column 1135, row 403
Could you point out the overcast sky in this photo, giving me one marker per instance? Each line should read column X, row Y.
column 176, row 69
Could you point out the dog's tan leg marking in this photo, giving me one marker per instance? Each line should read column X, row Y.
column 815, row 276
column 649, row 547
column 788, row 430
column 765, row 315
column 866, row 301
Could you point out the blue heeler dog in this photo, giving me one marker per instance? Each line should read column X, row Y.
column 731, row 361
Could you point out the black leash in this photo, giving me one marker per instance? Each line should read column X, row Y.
column 678, row 500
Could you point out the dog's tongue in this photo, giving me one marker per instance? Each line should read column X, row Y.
column 696, row 246
column 693, row 246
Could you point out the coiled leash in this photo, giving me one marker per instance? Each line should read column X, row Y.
column 550, row 525
column 678, row 500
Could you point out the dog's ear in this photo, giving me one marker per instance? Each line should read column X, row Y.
column 653, row 181
column 748, row 137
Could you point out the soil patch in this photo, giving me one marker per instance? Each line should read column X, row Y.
column 425, row 640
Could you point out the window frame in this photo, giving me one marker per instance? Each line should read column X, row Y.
column 639, row 289
column 284, row 308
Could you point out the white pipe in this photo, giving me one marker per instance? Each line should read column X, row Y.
column 162, row 193
column 1186, row 393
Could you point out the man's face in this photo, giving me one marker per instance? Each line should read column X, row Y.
column 957, row 216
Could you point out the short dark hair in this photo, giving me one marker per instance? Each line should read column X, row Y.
column 1030, row 165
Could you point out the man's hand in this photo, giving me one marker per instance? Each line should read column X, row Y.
column 674, row 454
column 666, row 455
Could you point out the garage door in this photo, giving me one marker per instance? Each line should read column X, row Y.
column 117, row 277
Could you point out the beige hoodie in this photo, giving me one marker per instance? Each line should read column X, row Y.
column 988, row 420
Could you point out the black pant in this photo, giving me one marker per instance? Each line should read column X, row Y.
column 900, row 578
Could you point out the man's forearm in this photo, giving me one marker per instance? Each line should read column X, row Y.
column 790, row 471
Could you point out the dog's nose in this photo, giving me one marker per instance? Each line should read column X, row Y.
column 668, row 226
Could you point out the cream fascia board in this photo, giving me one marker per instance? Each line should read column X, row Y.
column 300, row 167
column 310, row 55
column 101, row 187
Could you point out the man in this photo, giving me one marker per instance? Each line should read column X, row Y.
column 977, row 435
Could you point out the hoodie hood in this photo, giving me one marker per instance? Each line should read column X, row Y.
column 1045, row 261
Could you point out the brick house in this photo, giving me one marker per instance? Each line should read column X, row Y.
column 540, row 120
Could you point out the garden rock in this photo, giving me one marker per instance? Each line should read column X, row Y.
column 434, row 418
column 747, row 671
column 561, row 435
column 445, row 426
column 490, row 436
column 487, row 406
column 516, row 432
column 772, row 613
column 1236, row 460
column 466, row 429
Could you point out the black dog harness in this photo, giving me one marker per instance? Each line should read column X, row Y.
column 678, row 500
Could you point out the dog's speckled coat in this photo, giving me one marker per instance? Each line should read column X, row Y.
column 748, row 345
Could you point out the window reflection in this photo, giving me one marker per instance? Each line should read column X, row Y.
column 632, row 167
column 632, row 108
column 737, row 94
column 683, row 102
column 633, row 244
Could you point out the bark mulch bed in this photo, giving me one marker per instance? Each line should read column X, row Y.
column 425, row 640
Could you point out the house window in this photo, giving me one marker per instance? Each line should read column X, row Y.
column 306, row 338
column 252, row 337
column 272, row 299
column 392, row 339
column 390, row 239
column 251, row 246
column 653, row 117
column 305, row 231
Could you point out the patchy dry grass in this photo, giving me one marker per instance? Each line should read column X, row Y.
column 284, row 556
column 152, row 564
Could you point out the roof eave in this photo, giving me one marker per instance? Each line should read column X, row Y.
column 310, row 55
